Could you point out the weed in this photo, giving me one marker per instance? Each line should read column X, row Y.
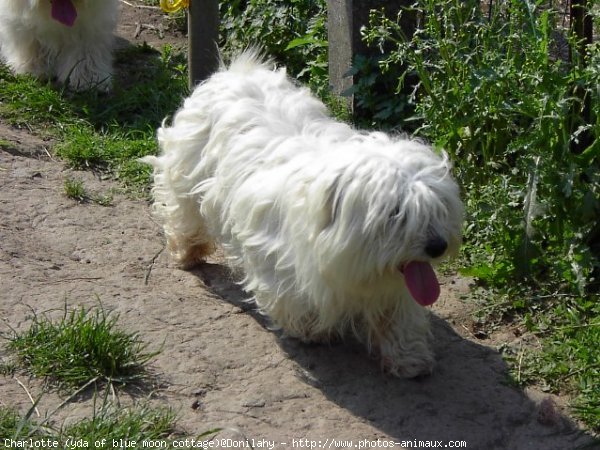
column 103, row 199
column 76, row 190
column 294, row 33
column 506, row 109
column 7, row 368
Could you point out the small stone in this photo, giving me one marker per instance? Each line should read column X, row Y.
column 256, row 403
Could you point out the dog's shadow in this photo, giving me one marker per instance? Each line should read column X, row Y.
column 220, row 281
column 467, row 398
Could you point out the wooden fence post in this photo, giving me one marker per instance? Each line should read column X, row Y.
column 342, row 45
column 203, row 37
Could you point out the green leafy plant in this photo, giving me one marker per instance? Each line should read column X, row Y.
column 293, row 32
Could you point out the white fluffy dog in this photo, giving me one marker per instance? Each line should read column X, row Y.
column 335, row 229
column 71, row 40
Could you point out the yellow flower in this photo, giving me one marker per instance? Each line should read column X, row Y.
column 170, row 6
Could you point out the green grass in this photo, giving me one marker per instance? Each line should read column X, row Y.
column 104, row 132
column 74, row 189
column 14, row 426
column 133, row 424
column 83, row 347
column 569, row 361
column 137, row 423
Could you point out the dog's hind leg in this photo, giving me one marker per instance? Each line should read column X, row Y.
column 188, row 239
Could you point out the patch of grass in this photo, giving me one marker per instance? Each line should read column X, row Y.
column 5, row 144
column 114, row 151
column 103, row 199
column 108, row 422
column 15, row 426
column 83, row 347
column 27, row 102
column 7, row 368
column 74, row 189
column 571, row 333
column 136, row 424
column 9, row 419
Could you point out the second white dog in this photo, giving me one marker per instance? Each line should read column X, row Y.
column 71, row 40
column 334, row 229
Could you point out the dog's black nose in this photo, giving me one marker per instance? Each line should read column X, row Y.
column 435, row 247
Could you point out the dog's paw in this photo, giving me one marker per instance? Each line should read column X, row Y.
column 407, row 367
column 188, row 255
column 406, row 359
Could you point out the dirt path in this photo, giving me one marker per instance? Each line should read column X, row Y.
column 220, row 366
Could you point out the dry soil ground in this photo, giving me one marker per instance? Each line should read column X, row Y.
column 220, row 365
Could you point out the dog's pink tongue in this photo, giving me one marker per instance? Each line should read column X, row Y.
column 64, row 11
column 421, row 282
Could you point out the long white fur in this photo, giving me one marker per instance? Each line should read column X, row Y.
column 317, row 215
column 31, row 41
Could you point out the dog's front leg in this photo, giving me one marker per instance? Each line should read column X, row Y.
column 402, row 340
